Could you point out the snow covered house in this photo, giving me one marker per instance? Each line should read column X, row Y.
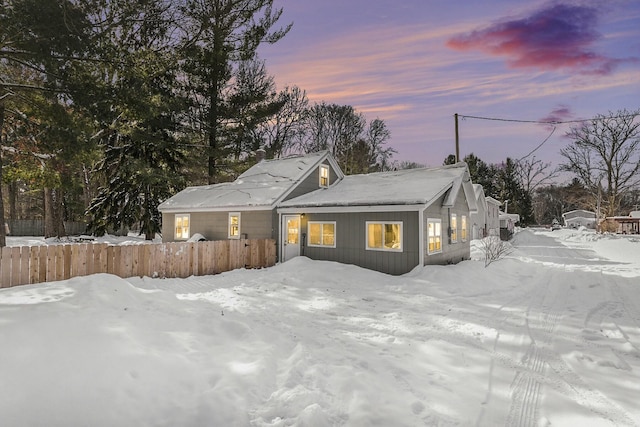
column 626, row 224
column 493, row 216
column 388, row 221
column 246, row 207
column 579, row 218
column 486, row 222
column 508, row 223
column 479, row 219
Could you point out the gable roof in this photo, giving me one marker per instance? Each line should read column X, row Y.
column 579, row 213
column 479, row 191
column 403, row 187
column 261, row 187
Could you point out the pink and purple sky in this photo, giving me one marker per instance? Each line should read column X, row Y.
column 414, row 63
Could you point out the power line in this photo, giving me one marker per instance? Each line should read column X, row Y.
column 539, row 145
column 547, row 122
column 554, row 123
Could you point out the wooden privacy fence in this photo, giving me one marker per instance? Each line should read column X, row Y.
column 21, row 265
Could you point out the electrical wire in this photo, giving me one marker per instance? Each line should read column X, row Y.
column 554, row 123
column 539, row 145
column 548, row 122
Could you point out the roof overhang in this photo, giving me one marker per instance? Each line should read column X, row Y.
column 350, row 208
column 242, row 208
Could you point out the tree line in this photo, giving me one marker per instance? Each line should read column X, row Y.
column 108, row 107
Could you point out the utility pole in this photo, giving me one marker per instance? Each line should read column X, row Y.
column 455, row 116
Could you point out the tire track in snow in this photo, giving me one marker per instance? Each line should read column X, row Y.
column 502, row 316
column 541, row 319
column 556, row 373
column 630, row 310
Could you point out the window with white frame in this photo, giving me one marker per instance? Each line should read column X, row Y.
column 322, row 234
column 182, row 226
column 463, row 228
column 384, row 236
column 324, row 176
column 453, row 224
column 234, row 225
column 434, row 236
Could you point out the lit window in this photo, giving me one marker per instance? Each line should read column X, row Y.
column 234, row 225
column 322, row 234
column 384, row 236
column 463, row 229
column 182, row 226
column 454, row 228
column 434, row 235
column 324, row 176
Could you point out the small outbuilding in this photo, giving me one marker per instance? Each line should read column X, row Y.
column 579, row 218
column 626, row 224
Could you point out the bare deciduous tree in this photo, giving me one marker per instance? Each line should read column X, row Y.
column 494, row 249
column 605, row 156
column 281, row 131
column 534, row 173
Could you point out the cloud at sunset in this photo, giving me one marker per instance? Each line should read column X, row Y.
column 559, row 114
column 557, row 36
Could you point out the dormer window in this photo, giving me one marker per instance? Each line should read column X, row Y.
column 324, row 176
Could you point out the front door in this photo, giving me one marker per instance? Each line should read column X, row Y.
column 290, row 236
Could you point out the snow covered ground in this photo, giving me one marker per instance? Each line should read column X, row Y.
column 548, row 336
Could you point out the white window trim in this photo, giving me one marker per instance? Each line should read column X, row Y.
column 384, row 248
column 439, row 221
column 232, row 214
column 463, row 228
column 453, row 236
column 175, row 220
column 321, row 234
column 320, row 169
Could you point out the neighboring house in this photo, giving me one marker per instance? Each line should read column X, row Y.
column 486, row 221
column 246, row 207
column 479, row 219
column 627, row 224
column 493, row 216
column 508, row 224
column 579, row 218
column 387, row 221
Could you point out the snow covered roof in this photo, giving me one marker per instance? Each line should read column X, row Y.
column 262, row 185
column 478, row 190
column 509, row 216
column 579, row 213
column 402, row 187
column 491, row 200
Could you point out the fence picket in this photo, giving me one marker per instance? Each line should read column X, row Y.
column 5, row 267
column 15, row 267
column 25, row 257
column 43, row 263
column 51, row 263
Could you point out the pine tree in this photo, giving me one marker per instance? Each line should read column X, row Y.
column 139, row 113
column 218, row 36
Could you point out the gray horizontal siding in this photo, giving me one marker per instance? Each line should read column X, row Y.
column 351, row 241
column 451, row 252
column 213, row 225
